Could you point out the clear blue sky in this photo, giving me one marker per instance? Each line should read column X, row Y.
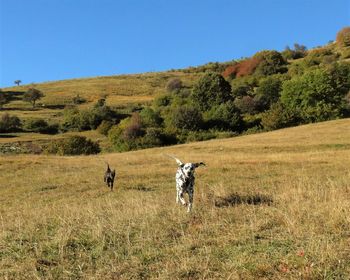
column 46, row 40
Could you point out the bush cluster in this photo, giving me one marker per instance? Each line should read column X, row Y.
column 9, row 123
column 73, row 145
column 80, row 120
column 41, row 126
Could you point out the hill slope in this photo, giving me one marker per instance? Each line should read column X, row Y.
column 271, row 205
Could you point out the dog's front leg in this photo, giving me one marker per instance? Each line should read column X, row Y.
column 182, row 199
column 190, row 200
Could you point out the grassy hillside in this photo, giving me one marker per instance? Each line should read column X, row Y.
column 119, row 91
column 267, row 206
column 267, row 91
column 122, row 93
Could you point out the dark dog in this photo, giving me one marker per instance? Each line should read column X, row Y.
column 185, row 182
column 109, row 177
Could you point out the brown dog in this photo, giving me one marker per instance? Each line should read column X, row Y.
column 109, row 177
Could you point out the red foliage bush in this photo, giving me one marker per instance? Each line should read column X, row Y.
column 243, row 68
column 343, row 37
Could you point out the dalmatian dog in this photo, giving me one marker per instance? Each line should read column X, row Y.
column 185, row 182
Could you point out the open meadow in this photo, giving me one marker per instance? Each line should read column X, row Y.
column 267, row 206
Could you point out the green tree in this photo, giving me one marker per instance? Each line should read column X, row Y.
column 269, row 90
column 278, row 117
column 32, row 95
column 211, row 89
column 272, row 62
column 315, row 96
column 224, row 117
column 299, row 51
column 186, row 118
column 150, row 117
column 17, row 82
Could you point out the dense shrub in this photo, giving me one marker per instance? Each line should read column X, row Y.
column 127, row 135
column 40, row 126
column 268, row 91
column 243, row 68
column 278, row 117
column 162, row 100
column 104, row 127
column 316, row 95
column 154, row 137
column 186, row 118
column 9, row 123
column 3, row 98
column 343, row 37
column 271, row 62
column 319, row 56
column 76, row 120
column 224, row 117
column 78, row 100
column 174, row 84
column 243, row 86
column 247, row 104
column 73, row 145
column 150, row 117
column 211, row 89
column 299, row 51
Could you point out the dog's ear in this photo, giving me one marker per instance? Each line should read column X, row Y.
column 108, row 169
column 199, row 164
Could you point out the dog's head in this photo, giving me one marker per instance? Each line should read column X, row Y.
column 188, row 169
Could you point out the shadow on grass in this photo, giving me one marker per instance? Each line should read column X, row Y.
column 237, row 199
column 141, row 188
column 55, row 107
column 8, row 136
column 21, row 109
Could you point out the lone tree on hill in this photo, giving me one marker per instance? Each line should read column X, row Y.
column 17, row 82
column 32, row 95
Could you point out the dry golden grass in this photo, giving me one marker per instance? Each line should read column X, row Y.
column 120, row 92
column 267, row 206
column 139, row 87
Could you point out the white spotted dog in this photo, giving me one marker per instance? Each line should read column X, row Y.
column 185, row 182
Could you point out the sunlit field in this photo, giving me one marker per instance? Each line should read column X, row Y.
column 267, row 206
column 119, row 91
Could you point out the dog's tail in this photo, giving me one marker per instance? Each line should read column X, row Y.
column 179, row 162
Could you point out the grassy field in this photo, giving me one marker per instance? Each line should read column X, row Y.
column 267, row 206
